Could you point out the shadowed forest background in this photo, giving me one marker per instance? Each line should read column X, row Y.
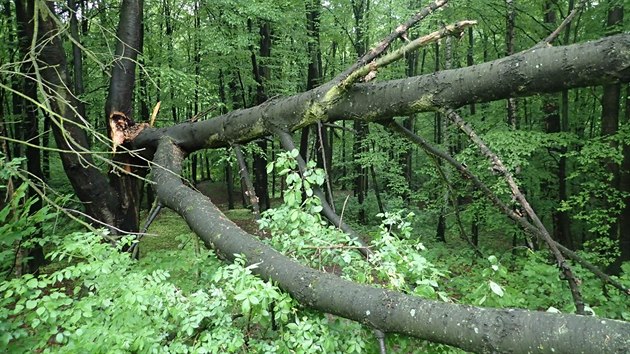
column 314, row 176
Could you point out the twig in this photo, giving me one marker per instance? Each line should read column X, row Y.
column 155, row 210
column 547, row 41
column 399, row 32
column 369, row 70
column 333, row 247
column 104, row 224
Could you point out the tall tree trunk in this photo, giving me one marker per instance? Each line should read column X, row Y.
column 553, row 124
column 17, row 101
column 411, row 70
column 144, row 100
column 168, row 34
column 610, row 121
column 313, row 8
column 509, row 39
column 474, row 227
column 262, row 74
column 119, row 111
column 610, row 105
column 90, row 185
column 439, row 124
column 360, row 10
column 322, row 135
column 77, row 58
column 238, row 101
column 624, row 186
column 229, row 178
column 563, row 219
column 5, row 146
column 30, row 126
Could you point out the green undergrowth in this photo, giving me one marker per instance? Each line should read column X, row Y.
column 180, row 298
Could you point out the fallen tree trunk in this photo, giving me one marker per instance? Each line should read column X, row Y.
column 527, row 73
column 467, row 327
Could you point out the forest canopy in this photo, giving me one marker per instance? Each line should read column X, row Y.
column 365, row 176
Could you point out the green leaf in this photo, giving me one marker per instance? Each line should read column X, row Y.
column 31, row 304
column 496, row 288
column 32, row 283
column 245, row 306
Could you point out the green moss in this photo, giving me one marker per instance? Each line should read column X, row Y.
column 333, row 94
column 425, row 103
column 314, row 113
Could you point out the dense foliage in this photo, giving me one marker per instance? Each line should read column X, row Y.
column 184, row 299
column 430, row 232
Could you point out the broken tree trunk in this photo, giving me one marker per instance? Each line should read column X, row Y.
column 537, row 71
column 467, row 327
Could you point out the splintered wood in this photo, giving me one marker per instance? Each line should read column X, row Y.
column 123, row 129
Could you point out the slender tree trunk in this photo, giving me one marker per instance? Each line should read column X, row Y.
column 5, row 147
column 229, row 178
column 624, row 186
column 553, row 124
column 119, row 108
column 262, row 74
column 238, row 101
column 407, row 157
column 474, row 227
column 439, row 124
column 314, row 78
column 360, row 10
column 245, row 180
column 77, row 58
column 509, row 38
column 30, row 128
column 168, row 35
column 610, row 106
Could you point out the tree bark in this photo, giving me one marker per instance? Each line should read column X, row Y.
column 553, row 124
column 624, row 186
column 30, row 126
column 261, row 73
column 510, row 24
column 119, row 108
column 610, row 109
column 77, row 58
column 360, row 11
column 90, row 185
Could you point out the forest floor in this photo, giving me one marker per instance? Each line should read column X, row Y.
column 167, row 229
